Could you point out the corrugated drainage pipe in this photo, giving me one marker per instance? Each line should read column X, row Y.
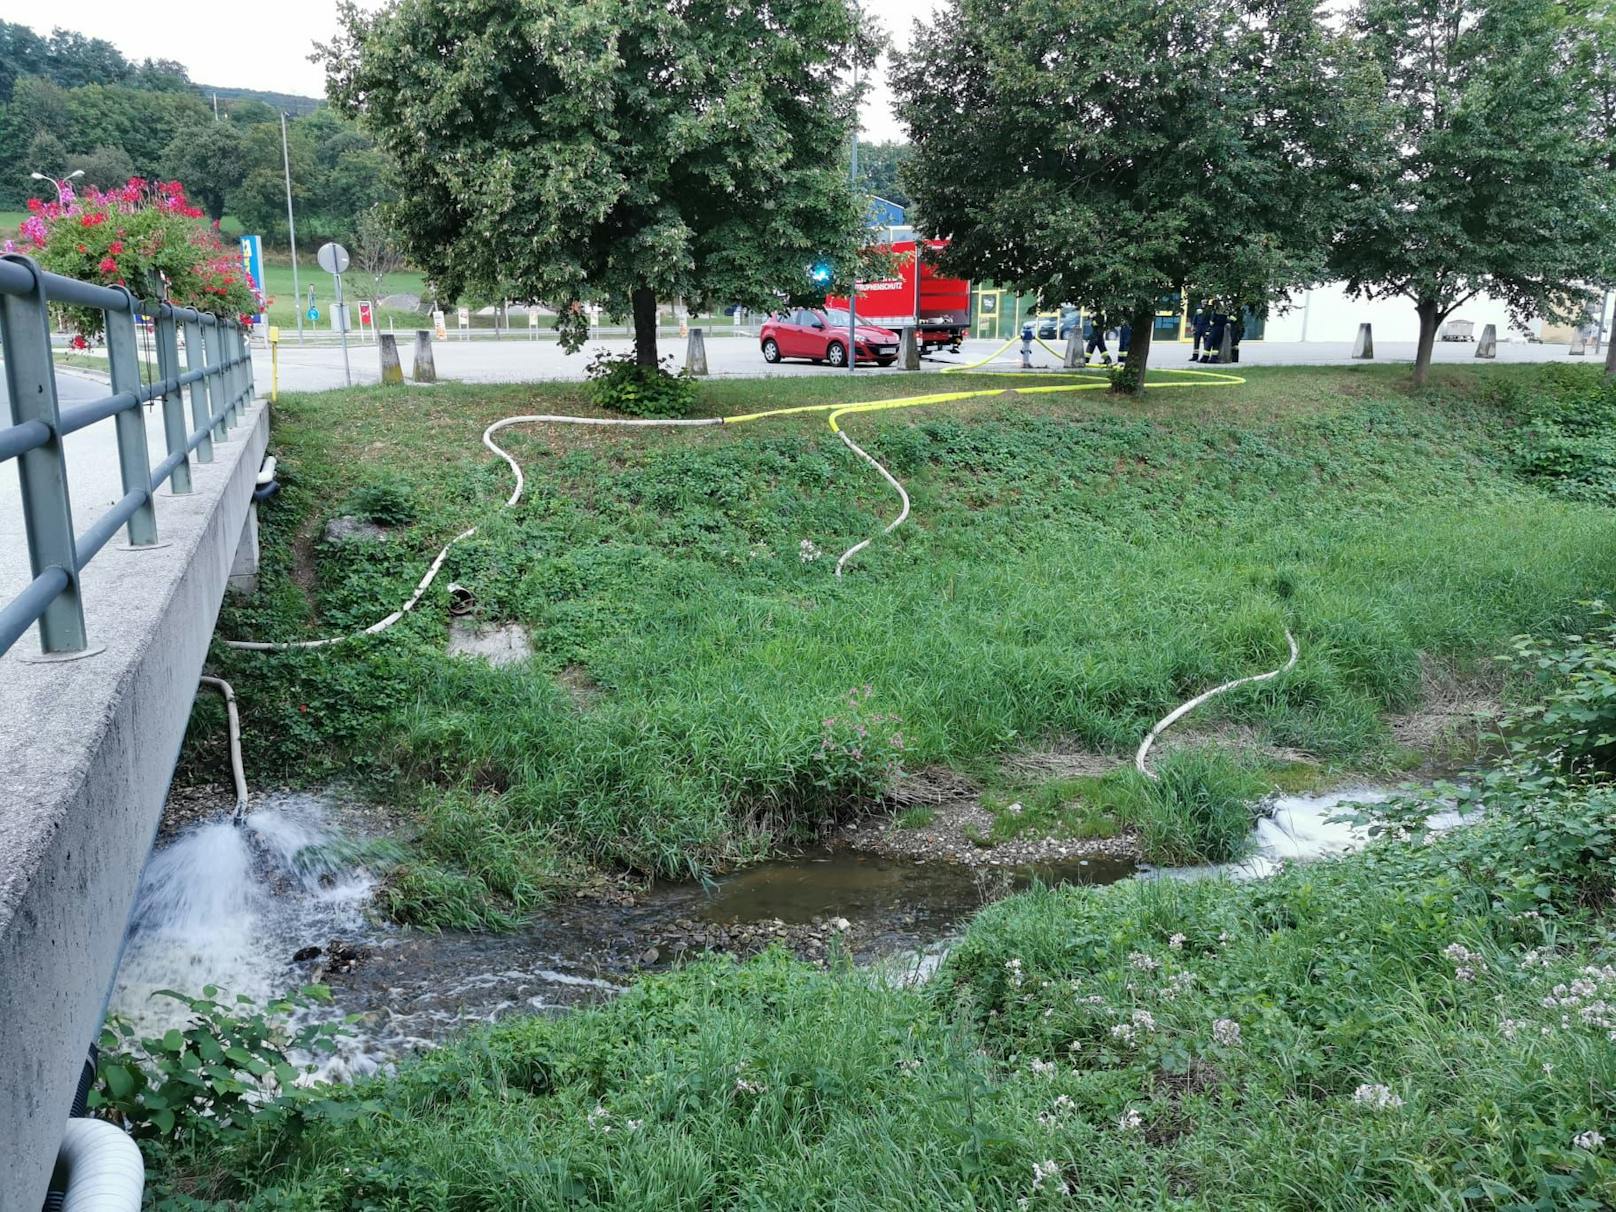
column 99, row 1168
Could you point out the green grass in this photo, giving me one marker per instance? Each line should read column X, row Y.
column 9, row 221
column 1074, row 567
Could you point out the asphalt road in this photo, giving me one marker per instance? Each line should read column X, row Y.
column 93, row 483
column 520, row 359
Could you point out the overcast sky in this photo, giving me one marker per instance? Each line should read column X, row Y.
column 267, row 47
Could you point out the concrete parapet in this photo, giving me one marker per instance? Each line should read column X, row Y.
column 90, row 748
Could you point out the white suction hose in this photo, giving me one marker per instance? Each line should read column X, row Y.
column 236, row 768
column 1178, row 713
column 99, row 1168
column 890, row 479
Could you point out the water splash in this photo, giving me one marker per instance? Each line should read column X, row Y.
column 228, row 906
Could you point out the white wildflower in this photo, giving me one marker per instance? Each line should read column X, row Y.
column 1376, row 1096
column 1176, row 942
column 1143, row 962
column 1226, row 1032
column 1043, row 1171
column 808, row 551
column 1131, row 1120
column 1043, row 1068
column 1590, row 1140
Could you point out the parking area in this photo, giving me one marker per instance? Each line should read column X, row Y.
column 318, row 367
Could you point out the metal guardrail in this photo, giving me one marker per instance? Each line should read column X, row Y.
column 218, row 375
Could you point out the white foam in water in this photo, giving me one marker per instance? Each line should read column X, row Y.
column 227, row 905
column 1297, row 829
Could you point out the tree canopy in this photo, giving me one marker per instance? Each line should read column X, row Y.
column 1108, row 155
column 1476, row 172
column 611, row 151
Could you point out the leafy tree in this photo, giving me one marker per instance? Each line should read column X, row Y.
column 22, row 53
column 1476, row 174
column 73, row 59
column 104, row 168
column 249, row 111
column 161, row 76
column 878, row 170
column 611, row 150
column 1596, row 62
column 47, row 151
column 376, row 251
column 1108, row 155
column 208, row 159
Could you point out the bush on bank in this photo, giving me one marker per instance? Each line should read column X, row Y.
column 1425, row 1024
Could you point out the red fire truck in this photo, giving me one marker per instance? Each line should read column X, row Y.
column 940, row 307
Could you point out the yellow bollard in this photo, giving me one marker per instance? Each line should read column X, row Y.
column 274, row 364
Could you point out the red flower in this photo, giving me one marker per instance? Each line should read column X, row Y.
column 114, row 248
column 107, row 265
column 83, row 248
column 79, row 342
column 35, row 205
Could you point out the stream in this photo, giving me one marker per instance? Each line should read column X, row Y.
column 278, row 902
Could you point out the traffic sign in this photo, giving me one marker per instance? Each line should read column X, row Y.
column 333, row 258
column 314, row 313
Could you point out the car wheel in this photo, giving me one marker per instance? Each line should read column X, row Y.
column 835, row 354
column 771, row 351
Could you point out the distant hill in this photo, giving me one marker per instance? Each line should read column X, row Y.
column 288, row 103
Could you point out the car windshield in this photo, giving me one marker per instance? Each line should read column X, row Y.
column 836, row 317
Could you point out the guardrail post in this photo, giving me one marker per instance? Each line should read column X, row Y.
column 168, row 369
column 238, row 374
column 247, row 368
column 134, row 460
column 46, row 510
column 218, row 387
column 196, row 359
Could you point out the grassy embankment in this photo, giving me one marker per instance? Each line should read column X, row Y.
column 1075, row 566
column 1425, row 1025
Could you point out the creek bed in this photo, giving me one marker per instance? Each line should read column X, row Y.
column 256, row 909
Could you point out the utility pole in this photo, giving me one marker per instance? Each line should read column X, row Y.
column 291, row 229
column 852, row 285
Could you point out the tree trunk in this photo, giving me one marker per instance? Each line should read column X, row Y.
column 1431, row 316
column 1144, row 328
column 1610, row 353
column 644, row 303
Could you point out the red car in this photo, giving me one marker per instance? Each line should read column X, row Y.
column 821, row 336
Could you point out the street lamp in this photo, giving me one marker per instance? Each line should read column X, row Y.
column 61, row 185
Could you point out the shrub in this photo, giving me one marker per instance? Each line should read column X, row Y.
column 1568, row 440
column 230, row 1067
column 387, row 503
column 618, row 382
column 1572, row 727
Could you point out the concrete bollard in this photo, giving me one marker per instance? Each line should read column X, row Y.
column 909, row 349
column 696, row 354
column 1364, row 346
column 392, row 372
column 1074, row 349
column 1579, row 344
column 1487, row 347
column 426, row 370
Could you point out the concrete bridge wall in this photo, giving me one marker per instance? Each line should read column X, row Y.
column 87, row 748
